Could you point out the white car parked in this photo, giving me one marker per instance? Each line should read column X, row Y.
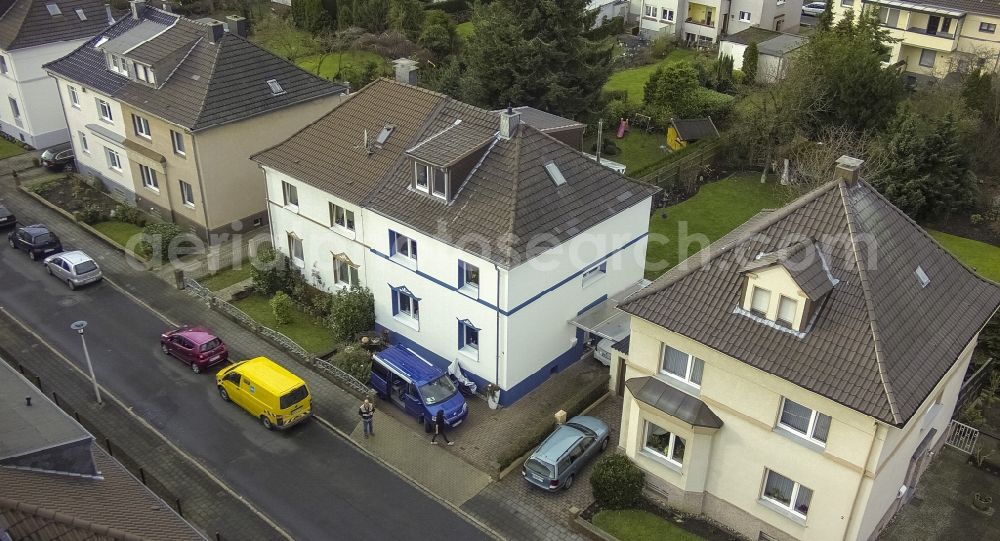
column 74, row 268
column 814, row 8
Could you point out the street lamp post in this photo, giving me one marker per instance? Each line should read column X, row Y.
column 78, row 327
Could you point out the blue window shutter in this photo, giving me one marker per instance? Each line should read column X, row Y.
column 395, row 298
column 392, row 242
column 461, row 334
column 461, row 274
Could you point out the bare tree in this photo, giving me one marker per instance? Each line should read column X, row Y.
column 813, row 162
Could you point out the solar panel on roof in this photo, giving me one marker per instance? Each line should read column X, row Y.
column 53, row 9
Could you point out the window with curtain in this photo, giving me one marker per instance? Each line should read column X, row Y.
column 786, row 493
column 681, row 365
column 786, row 311
column 760, row 301
column 804, row 421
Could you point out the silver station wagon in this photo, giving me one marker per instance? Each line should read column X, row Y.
column 557, row 461
column 73, row 268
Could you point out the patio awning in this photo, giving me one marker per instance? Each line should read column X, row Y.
column 605, row 319
column 673, row 402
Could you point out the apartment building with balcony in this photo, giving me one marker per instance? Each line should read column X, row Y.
column 707, row 21
column 166, row 111
column 793, row 379
column 937, row 37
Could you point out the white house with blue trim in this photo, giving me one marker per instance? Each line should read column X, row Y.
column 481, row 237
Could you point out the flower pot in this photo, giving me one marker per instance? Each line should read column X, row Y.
column 982, row 502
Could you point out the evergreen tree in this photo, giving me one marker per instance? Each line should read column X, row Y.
column 406, row 16
column 845, row 26
column 372, row 15
column 750, row 56
column 977, row 89
column 310, row 15
column 535, row 53
column 825, row 20
column 439, row 34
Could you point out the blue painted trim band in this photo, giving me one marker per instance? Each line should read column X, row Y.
column 527, row 302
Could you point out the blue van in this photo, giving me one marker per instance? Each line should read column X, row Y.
column 417, row 386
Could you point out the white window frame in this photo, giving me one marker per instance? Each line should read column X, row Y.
column 114, row 159
column 141, row 126
column 15, row 108
column 746, row 19
column 345, row 273
column 104, row 111
column 293, row 242
column 468, row 348
column 433, row 183
column 810, row 432
column 428, row 178
column 782, row 299
column 148, row 176
column 650, row 11
column 471, row 288
column 688, row 370
column 410, row 245
column 595, row 273
column 753, row 294
column 177, row 140
column 987, row 28
column 796, row 486
column 348, row 217
column 187, row 193
column 74, row 98
column 84, row 146
column 3, row 65
column 671, row 446
column 290, row 195
column 667, row 14
column 412, row 314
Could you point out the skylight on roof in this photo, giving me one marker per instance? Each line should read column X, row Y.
column 922, row 277
column 81, row 14
column 555, row 174
column 275, row 87
column 53, row 9
column 383, row 135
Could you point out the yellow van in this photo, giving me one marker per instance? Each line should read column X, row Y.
column 270, row 393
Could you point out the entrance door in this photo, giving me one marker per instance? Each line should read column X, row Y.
column 708, row 18
column 932, row 24
column 778, row 22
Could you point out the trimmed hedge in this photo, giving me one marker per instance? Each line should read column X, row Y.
column 617, row 482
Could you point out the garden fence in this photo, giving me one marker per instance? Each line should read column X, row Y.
column 974, row 385
column 683, row 175
column 342, row 378
column 963, row 437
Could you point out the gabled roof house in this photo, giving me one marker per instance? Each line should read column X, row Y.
column 474, row 229
column 828, row 340
column 166, row 111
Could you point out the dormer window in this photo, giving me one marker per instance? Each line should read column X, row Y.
column 422, row 176
column 144, row 73
column 786, row 287
column 787, row 308
column 431, row 180
column 760, row 301
column 117, row 64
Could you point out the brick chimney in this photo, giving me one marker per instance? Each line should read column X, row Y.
column 237, row 25
column 509, row 120
column 848, row 169
column 137, row 8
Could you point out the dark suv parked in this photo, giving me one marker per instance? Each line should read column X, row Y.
column 7, row 218
column 59, row 157
column 36, row 239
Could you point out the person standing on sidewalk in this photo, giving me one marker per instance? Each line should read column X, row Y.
column 367, row 414
column 439, row 429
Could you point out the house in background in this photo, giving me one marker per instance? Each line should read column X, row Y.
column 774, row 51
column 708, row 21
column 166, row 112
column 792, row 380
column 58, row 485
column 682, row 132
column 935, row 38
column 608, row 9
column 480, row 235
column 32, row 33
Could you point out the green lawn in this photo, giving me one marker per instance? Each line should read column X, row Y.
column 637, row 149
column 227, row 277
column 717, row 208
column 633, row 80
column 634, row 525
column 332, row 63
column 985, row 258
column 119, row 232
column 465, row 29
column 303, row 330
column 8, row 149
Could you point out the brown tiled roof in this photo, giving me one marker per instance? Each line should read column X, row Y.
column 879, row 343
column 28, row 23
column 451, row 144
column 506, row 200
column 117, row 506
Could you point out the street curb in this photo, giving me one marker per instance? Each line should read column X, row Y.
column 121, row 404
column 86, row 227
column 587, row 528
column 413, row 482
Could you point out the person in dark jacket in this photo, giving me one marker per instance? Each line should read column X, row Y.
column 367, row 414
column 439, row 429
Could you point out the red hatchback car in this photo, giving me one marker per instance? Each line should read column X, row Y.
column 196, row 346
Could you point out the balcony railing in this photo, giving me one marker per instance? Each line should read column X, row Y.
column 919, row 30
column 701, row 22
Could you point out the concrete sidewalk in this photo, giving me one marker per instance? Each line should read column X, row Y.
column 438, row 472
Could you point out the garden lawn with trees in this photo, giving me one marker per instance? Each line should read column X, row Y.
column 632, row 81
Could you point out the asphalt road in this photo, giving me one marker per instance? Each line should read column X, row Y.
column 309, row 480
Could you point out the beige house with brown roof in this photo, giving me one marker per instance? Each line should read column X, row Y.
column 167, row 111
column 793, row 380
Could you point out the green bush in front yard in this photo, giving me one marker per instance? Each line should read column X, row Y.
column 281, row 307
column 129, row 215
column 617, row 482
column 157, row 239
column 356, row 361
column 269, row 271
column 351, row 311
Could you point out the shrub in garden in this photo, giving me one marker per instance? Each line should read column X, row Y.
column 617, row 482
column 157, row 239
column 356, row 361
column 351, row 311
column 661, row 47
column 282, row 307
column 269, row 271
column 129, row 215
column 91, row 214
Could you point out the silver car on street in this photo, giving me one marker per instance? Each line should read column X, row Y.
column 75, row 268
